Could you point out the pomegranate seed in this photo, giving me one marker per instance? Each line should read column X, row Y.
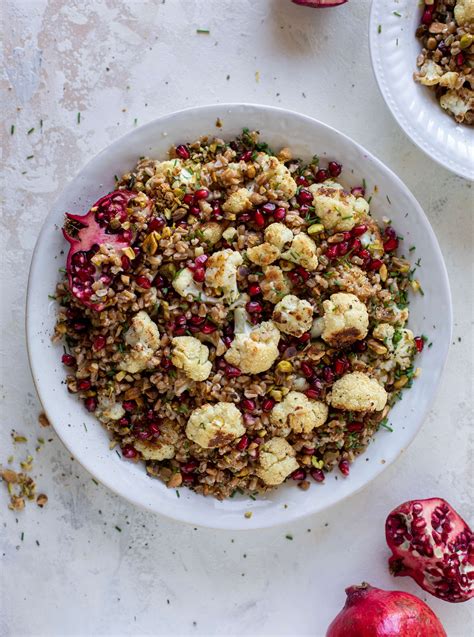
column 232, row 372
column 165, row 364
column 182, row 151
column 248, row 405
column 208, row 328
column 375, row 264
column 199, row 274
column 124, row 422
column 143, row 281
column 304, row 210
column 156, row 224
column 246, row 156
column 244, row 217
column 316, row 383
column 328, row 374
column 78, row 326
column 143, row 434
column 342, row 248
column 460, row 59
column 99, row 343
column 125, row 261
column 180, row 331
column 390, row 245
column 344, row 467
column 268, row 208
column 317, row 475
column 307, row 369
column 195, row 210
column 129, row 452
column 253, row 307
column 357, row 231
column 360, row 346
column 346, row 235
column 227, row 340
column 159, row 282
column 243, row 443
column 268, row 404
column 150, row 414
column 309, row 451
column 197, row 320
column 356, row 245
column 254, row 289
column 419, row 343
column 321, row 175
column 188, row 199
column 84, row 385
column 332, row 251
column 334, row 168
column 280, row 214
column 190, row 466
column 339, row 367
column 390, row 232
column 364, row 254
column 216, row 210
column 305, row 338
column 427, row 17
column 201, row 259
column 68, row 360
column 358, row 191
column 355, row 426
column 154, row 429
column 181, row 320
column 188, row 478
column 302, row 181
column 294, row 277
column 202, row 193
column 313, row 394
column 299, row 474
column 259, row 218
column 304, row 274
column 304, row 196
column 129, row 405
column 90, row 403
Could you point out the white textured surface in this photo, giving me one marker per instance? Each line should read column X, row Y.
column 158, row 577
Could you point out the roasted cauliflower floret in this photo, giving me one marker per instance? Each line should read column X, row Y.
column 351, row 279
column 429, row 74
column 191, row 356
column 384, row 332
column 274, row 284
column 464, row 12
column 185, row 285
column 277, row 461
column 175, row 171
column 357, row 392
column 459, row 103
column 278, row 234
column 404, row 347
column 221, row 273
column 346, row 319
column 337, row 209
column 299, row 413
column 276, row 176
column 238, row 201
column 143, row 339
column 212, row 426
column 302, row 252
column 293, row 315
column 108, row 409
column 211, row 232
column 263, row 254
column 154, row 450
column 254, row 348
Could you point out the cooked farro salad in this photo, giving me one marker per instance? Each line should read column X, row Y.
column 234, row 317
column 446, row 62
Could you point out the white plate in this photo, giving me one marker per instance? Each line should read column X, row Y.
column 88, row 441
column 394, row 51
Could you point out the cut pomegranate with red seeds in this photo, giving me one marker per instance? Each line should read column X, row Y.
column 280, row 214
column 90, row 403
column 268, row 404
column 83, row 385
column 332, row 251
column 243, row 443
column 129, row 405
column 254, row 289
column 312, row 393
column 344, row 467
column 390, row 245
column 419, row 343
column 254, row 307
column 321, row 175
column 299, row 474
column 248, row 405
column 188, row 198
column 183, row 152
column 129, row 452
column 199, row 274
column 355, row 427
column 202, row 193
column 259, row 218
column 334, row 168
column 232, row 372
column 143, row 281
column 68, row 360
column 99, row 343
column 432, row 544
column 304, row 196
column 302, row 181
column 307, row 369
column 317, row 475
column 375, row 264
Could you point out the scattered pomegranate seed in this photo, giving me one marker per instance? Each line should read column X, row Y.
column 124, row 421
column 156, row 224
column 208, row 328
column 232, row 372
column 460, row 59
column 344, row 467
column 313, row 394
column 202, row 193
column 309, row 451
column 243, row 443
column 321, row 175
column 317, row 475
column 181, row 319
column 129, row 452
column 342, row 248
column 357, row 231
column 84, row 385
column 339, row 367
column 375, row 264
column 201, row 259
column 143, row 281
column 390, row 245
column 332, row 251
column 259, row 218
column 427, row 17
column 183, row 152
column 154, row 429
column 180, row 331
column 358, row 191
column 99, row 343
column 144, row 434
column 217, row 210
column 68, row 360
column 280, row 214
column 365, row 255
column 268, row 404
column 79, row 326
column 125, row 261
column 195, row 210
column 197, row 320
column 188, row 198
column 304, row 196
column 268, row 208
column 246, row 156
column 129, row 405
column 190, row 466
column 244, row 217
column 302, row 181
column 199, row 274
column 254, row 289
column 304, row 274
column 188, row 478
column 307, row 369
column 294, row 277
column 165, row 364
column 316, row 383
column 248, row 405
column 355, row 245
column 305, row 338
column 299, row 474
column 334, row 168
column 227, row 340
column 254, row 307
column 419, row 343
column 355, row 426
column 304, row 210
column 90, row 403
column 360, row 346
column 328, row 374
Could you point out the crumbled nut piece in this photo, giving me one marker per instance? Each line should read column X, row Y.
column 43, row 420
column 41, row 500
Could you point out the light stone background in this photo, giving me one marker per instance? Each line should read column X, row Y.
column 74, row 573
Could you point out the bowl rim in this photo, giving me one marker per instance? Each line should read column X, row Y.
column 294, row 514
column 405, row 125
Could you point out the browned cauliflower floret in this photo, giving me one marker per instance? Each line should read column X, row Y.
column 143, row 339
column 211, row 232
column 302, row 252
column 192, row 356
column 464, row 12
column 298, row 413
column 351, row 279
column 274, row 284
column 154, row 450
column 337, row 209
column 400, row 343
column 346, row 319
column 108, row 408
column 254, row 348
column 275, row 176
column 221, row 273
column 357, row 392
column 429, row 74
column 459, row 103
column 238, row 201
column 277, row 461
column 278, row 234
column 293, row 315
column 263, row 254
column 212, row 426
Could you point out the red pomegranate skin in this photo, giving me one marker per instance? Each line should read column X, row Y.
column 373, row 612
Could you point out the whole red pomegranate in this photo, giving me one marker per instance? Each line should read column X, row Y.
column 373, row 612
column 432, row 543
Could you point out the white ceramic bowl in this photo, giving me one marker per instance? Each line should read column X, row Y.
column 80, row 431
column 394, row 51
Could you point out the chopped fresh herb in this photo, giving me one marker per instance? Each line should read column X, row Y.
column 94, row 481
column 388, row 199
column 369, row 199
column 78, row 118
column 12, row 129
column 203, row 31
column 385, row 425
column 135, row 121
column 379, row 29
column 41, row 123
column 118, row 529
column 85, row 426
column 399, row 15
column 364, row 184
column 22, row 536
column 30, row 157
column 288, row 536
column 418, row 263
column 412, row 248
column 32, row 130
column 177, row 494
column 397, row 336
column 252, row 497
